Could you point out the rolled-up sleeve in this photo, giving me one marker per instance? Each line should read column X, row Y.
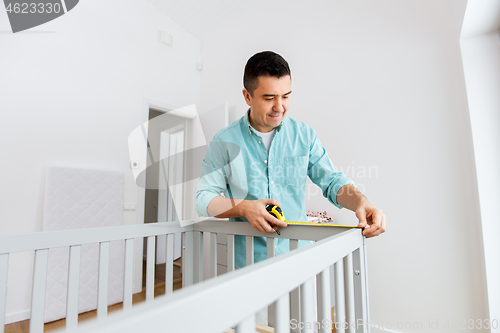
column 212, row 181
column 322, row 173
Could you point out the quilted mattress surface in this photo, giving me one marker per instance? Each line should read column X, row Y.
column 82, row 198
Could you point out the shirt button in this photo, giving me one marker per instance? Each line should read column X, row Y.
column 272, row 182
column 265, row 161
column 260, row 142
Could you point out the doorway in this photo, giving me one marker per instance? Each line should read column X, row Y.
column 163, row 199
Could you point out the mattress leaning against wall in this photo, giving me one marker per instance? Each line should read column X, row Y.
column 82, row 198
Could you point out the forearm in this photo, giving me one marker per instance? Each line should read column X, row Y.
column 221, row 207
column 350, row 197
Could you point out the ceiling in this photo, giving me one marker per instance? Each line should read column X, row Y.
column 481, row 17
column 203, row 17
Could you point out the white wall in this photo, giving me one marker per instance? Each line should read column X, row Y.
column 71, row 92
column 481, row 58
column 382, row 84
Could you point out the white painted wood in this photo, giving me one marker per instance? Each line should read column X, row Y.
column 230, row 252
column 349, row 294
column 38, row 291
column 295, row 294
column 365, row 281
column 271, row 309
column 207, row 263
column 307, row 305
column 282, row 315
column 197, row 257
column 177, row 309
column 213, row 254
column 360, row 291
column 4, row 270
column 75, row 254
column 169, row 264
column 128, row 272
column 183, row 258
column 340, row 324
column 150, row 269
column 102, row 287
column 50, row 239
column 324, row 300
column 289, row 277
column 271, row 247
column 249, row 250
column 313, row 233
column 187, row 260
column 247, row 325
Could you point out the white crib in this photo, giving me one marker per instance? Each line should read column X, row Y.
column 296, row 286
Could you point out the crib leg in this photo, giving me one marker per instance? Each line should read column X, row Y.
column 361, row 291
column 295, row 296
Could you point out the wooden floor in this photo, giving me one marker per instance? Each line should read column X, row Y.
column 23, row 326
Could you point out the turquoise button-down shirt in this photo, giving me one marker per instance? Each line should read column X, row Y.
column 237, row 165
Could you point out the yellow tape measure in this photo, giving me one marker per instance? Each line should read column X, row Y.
column 278, row 213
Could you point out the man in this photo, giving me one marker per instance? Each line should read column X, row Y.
column 264, row 158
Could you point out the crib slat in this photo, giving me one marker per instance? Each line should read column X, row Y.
column 38, row 293
column 197, row 257
column 324, row 300
column 247, row 325
column 249, row 250
column 339, row 297
column 150, row 269
column 213, row 254
column 73, row 286
column 169, row 264
column 102, row 287
column 128, row 272
column 295, row 294
column 360, row 290
column 271, row 309
column 230, row 253
column 4, row 270
column 349, row 293
column 183, row 258
column 282, row 315
column 307, row 305
column 187, row 260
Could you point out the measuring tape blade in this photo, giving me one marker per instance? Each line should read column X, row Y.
column 320, row 224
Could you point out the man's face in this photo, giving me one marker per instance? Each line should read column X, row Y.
column 269, row 102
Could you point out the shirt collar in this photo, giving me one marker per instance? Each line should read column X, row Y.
column 247, row 122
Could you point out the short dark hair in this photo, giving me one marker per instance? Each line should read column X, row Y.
column 266, row 63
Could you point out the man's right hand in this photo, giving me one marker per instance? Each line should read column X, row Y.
column 253, row 210
column 257, row 215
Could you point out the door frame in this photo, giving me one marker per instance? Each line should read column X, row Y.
column 147, row 104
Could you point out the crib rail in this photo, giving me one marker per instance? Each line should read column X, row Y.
column 285, row 284
column 202, row 309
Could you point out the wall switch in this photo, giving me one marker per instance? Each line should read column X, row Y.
column 129, row 206
column 165, row 38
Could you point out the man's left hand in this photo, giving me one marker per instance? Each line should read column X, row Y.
column 372, row 219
